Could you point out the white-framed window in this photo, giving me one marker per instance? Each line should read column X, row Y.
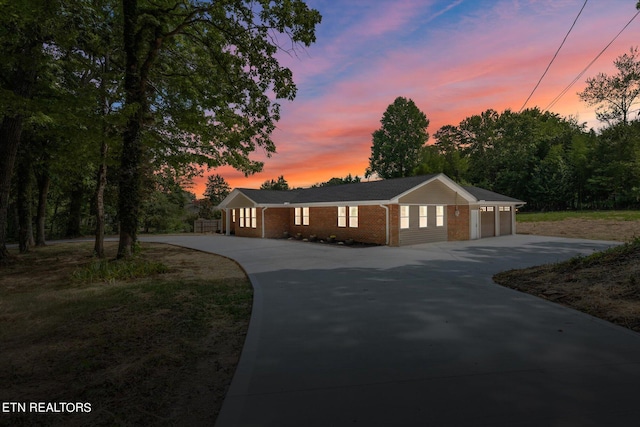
column 241, row 222
column 233, row 215
column 423, row 216
column 301, row 216
column 305, row 216
column 353, row 216
column 439, row 216
column 486, row 208
column 505, row 208
column 404, row 217
column 297, row 216
column 254, row 218
column 342, row 216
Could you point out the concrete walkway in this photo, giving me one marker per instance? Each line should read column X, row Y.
column 420, row 336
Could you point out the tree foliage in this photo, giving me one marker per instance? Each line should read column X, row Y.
column 615, row 95
column 397, row 144
column 216, row 189
column 279, row 184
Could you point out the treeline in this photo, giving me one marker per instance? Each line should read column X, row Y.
column 551, row 162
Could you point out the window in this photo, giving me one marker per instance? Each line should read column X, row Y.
column 241, row 217
column 342, row 216
column 505, row 208
column 439, row 216
column 423, row 216
column 404, row 216
column 353, row 216
column 233, row 215
column 297, row 216
column 301, row 216
column 486, row 208
column 305, row 216
column 254, row 219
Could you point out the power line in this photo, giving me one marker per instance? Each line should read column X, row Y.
column 555, row 55
column 566, row 89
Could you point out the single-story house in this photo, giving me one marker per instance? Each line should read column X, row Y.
column 395, row 212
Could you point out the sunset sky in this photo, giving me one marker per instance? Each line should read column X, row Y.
column 454, row 58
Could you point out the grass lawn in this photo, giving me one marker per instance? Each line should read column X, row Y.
column 588, row 215
column 149, row 342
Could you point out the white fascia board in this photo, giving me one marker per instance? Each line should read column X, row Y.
column 446, row 181
column 328, row 204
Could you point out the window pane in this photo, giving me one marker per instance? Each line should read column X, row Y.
column 254, row 219
column 342, row 216
column 241, row 217
column 305, row 216
column 423, row 216
column 404, row 216
column 353, row 216
column 297, row 216
column 439, row 216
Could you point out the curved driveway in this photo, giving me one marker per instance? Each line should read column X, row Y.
column 420, row 336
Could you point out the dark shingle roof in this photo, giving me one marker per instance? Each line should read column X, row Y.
column 489, row 196
column 362, row 191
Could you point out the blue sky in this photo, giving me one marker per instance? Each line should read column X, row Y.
column 454, row 58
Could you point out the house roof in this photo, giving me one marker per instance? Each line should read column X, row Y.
column 384, row 190
column 485, row 195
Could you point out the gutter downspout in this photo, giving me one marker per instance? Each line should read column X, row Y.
column 386, row 235
column 263, row 227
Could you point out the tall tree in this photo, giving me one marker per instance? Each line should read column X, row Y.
column 217, row 189
column 210, row 67
column 395, row 151
column 615, row 95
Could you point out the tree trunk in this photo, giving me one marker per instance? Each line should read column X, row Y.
column 129, row 197
column 75, row 211
column 10, row 133
column 98, row 248
column 43, row 180
column 23, row 197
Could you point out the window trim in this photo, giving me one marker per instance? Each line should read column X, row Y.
column 439, row 215
column 423, row 220
column 342, row 216
column 405, row 220
column 353, row 219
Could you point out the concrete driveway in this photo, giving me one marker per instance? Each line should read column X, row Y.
column 420, row 336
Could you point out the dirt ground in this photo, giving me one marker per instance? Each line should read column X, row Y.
column 597, row 229
column 604, row 285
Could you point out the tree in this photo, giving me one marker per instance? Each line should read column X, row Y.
column 349, row 179
column 217, row 189
column 280, row 184
column 397, row 144
column 26, row 27
column 615, row 95
column 210, row 69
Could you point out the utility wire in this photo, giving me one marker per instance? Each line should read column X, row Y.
column 555, row 55
column 566, row 89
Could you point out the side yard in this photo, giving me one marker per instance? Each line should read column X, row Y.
column 153, row 342
column 605, row 284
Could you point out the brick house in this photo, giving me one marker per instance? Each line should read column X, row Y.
column 395, row 212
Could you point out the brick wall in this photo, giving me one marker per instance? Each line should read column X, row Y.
column 323, row 222
column 458, row 226
column 276, row 222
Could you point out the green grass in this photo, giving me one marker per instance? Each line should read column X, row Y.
column 562, row 215
column 111, row 270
